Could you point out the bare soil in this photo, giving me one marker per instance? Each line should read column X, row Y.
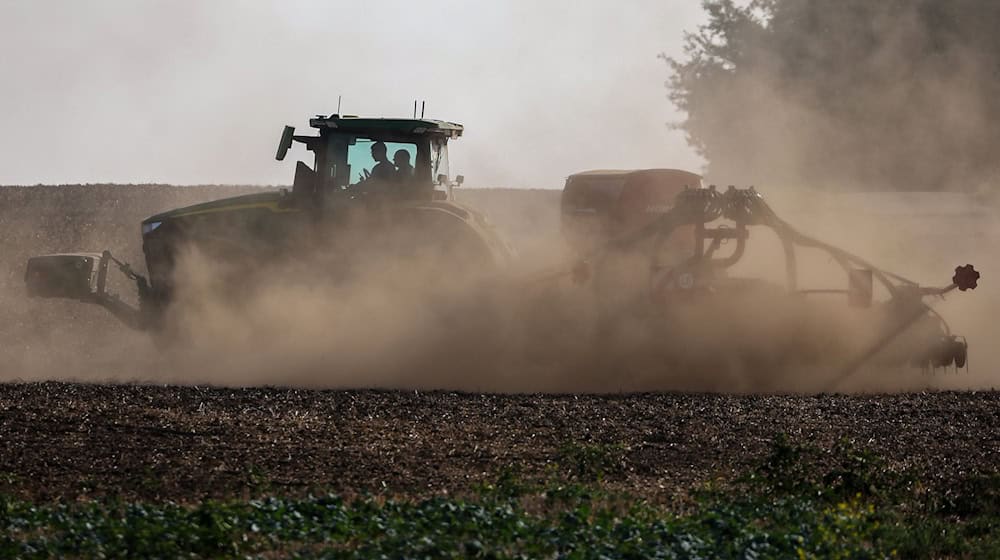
column 71, row 441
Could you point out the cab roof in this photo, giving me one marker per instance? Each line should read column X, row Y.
column 351, row 123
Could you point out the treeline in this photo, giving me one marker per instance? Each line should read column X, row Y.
column 847, row 95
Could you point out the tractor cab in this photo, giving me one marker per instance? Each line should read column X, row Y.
column 392, row 159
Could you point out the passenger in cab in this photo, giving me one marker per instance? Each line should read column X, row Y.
column 404, row 170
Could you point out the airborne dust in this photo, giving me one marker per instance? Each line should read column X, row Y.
column 398, row 325
column 871, row 126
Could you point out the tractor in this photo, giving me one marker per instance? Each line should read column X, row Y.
column 373, row 183
column 648, row 243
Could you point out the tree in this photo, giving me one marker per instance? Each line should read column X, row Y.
column 852, row 94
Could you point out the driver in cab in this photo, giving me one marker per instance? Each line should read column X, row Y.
column 384, row 170
column 382, row 177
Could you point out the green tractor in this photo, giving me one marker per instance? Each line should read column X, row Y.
column 377, row 187
column 647, row 242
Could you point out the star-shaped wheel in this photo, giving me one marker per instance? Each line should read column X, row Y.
column 965, row 277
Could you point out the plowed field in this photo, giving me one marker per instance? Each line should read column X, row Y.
column 67, row 441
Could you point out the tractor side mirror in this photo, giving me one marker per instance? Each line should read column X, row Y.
column 859, row 287
column 285, row 143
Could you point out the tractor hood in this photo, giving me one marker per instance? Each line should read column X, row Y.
column 266, row 200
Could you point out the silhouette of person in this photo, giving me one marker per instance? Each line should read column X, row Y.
column 383, row 170
column 404, row 171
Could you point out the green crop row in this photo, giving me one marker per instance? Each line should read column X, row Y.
column 853, row 507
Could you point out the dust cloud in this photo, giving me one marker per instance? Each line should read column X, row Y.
column 849, row 97
column 870, row 126
column 396, row 323
column 400, row 323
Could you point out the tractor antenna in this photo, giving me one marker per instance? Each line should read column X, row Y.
column 422, row 104
column 338, row 104
column 414, row 108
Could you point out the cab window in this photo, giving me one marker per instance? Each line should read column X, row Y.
column 400, row 158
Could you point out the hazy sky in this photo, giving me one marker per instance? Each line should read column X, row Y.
column 187, row 92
